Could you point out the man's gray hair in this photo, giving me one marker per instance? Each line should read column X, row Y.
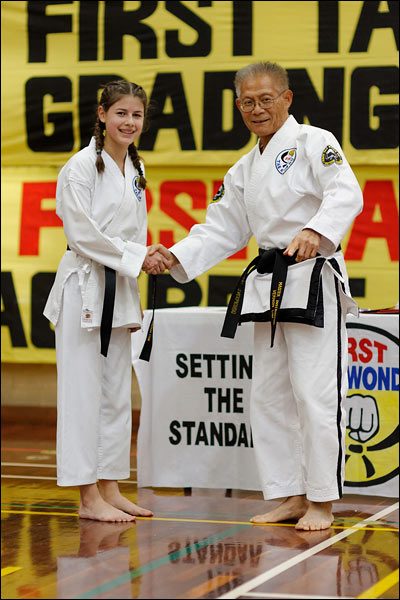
column 261, row 68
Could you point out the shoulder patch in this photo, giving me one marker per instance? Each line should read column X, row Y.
column 285, row 159
column 330, row 156
column 137, row 190
column 219, row 194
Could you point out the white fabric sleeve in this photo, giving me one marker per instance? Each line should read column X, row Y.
column 226, row 230
column 85, row 238
column 342, row 198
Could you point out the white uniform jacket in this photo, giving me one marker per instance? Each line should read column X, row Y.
column 301, row 180
column 105, row 222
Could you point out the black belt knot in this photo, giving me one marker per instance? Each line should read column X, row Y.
column 268, row 261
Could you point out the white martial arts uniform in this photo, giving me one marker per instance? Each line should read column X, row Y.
column 105, row 223
column 301, row 180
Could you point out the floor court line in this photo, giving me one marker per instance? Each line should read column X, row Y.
column 180, row 520
column 260, row 595
column 260, row 579
column 380, row 587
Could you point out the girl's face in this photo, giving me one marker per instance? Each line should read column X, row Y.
column 123, row 121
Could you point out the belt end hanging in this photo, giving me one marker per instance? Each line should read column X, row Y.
column 148, row 344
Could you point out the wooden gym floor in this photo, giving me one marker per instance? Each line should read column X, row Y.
column 198, row 545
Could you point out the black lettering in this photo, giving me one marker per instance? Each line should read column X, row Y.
column 223, row 358
column 242, row 28
column 242, row 437
column 192, row 292
column 176, row 437
column 216, row 434
column 371, row 18
column 42, row 335
column 328, row 26
column 195, row 363
column 326, row 113
column 40, row 25
column 10, row 315
column 88, row 30
column 224, row 401
column 230, row 434
column 189, row 426
column 209, row 358
column 62, row 137
column 362, row 135
column 175, row 48
column 181, row 362
column 169, row 85
column 357, row 287
column 237, row 400
column 214, row 136
column 245, row 366
column 201, row 437
column 119, row 22
column 219, row 289
column 210, row 392
column 89, row 86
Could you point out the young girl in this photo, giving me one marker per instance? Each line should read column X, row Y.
column 94, row 304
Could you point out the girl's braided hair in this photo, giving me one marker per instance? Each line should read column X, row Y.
column 112, row 92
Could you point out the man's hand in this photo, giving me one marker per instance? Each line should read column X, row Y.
column 306, row 243
column 158, row 259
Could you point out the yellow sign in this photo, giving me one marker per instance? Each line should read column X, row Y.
column 33, row 242
column 341, row 57
column 342, row 61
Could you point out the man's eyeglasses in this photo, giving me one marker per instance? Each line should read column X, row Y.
column 249, row 105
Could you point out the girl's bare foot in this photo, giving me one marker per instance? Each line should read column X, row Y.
column 93, row 506
column 111, row 494
column 99, row 510
column 318, row 516
column 293, row 507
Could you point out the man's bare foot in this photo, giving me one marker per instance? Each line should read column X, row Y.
column 100, row 510
column 293, row 507
column 318, row 516
column 111, row 494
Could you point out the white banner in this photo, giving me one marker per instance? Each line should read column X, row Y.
column 194, row 425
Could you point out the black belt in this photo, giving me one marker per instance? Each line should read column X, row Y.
column 268, row 261
column 108, row 308
column 148, row 344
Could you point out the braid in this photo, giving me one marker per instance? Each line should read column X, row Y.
column 135, row 158
column 99, row 137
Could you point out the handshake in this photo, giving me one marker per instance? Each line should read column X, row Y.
column 158, row 258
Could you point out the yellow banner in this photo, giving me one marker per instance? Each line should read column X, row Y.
column 342, row 59
column 33, row 243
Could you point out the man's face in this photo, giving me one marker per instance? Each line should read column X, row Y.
column 264, row 122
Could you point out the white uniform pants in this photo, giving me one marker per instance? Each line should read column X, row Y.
column 296, row 411
column 93, row 398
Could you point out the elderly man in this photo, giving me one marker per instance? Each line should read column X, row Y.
column 296, row 193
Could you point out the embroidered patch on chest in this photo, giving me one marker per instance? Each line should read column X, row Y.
column 285, row 159
column 330, row 156
column 219, row 194
column 136, row 189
